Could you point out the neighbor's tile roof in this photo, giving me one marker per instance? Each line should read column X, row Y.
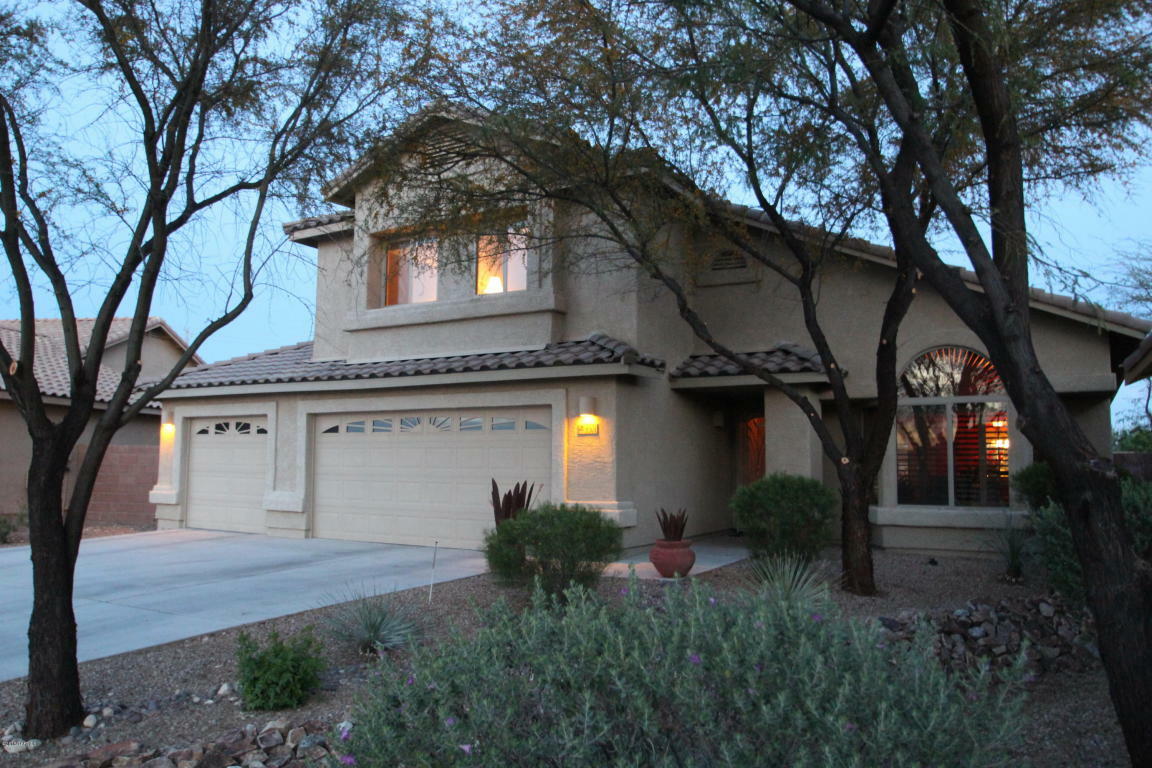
column 785, row 357
column 295, row 364
column 312, row 222
column 51, row 366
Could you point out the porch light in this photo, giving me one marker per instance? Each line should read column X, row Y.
column 167, row 430
column 588, row 422
column 494, row 285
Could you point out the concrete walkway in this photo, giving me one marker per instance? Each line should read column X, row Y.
column 712, row 552
column 145, row 589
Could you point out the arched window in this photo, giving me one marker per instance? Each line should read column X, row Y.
column 952, row 431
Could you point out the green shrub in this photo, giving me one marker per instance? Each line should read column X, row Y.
column 558, row 544
column 694, row 680
column 8, row 527
column 372, row 623
column 1056, row 551
column 280, row 676
column 1035, row 485
column 784, row 513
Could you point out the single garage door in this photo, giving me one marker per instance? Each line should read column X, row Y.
column 226, row 474
column 424, row 476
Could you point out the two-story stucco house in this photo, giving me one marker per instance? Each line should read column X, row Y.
column 423, row 383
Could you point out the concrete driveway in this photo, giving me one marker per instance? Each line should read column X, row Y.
column 145, row 589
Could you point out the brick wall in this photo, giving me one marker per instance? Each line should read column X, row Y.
column 121, row 493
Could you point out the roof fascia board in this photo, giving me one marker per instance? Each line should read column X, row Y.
column 745, row 380
column 426, row 380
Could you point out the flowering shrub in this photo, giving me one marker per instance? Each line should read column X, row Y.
column 694, row 680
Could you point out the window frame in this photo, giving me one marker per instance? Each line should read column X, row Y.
column 505, row 256
column 397, row 260
column 949, row 403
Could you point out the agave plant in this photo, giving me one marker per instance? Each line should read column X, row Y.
column 790, row 578
column 672, row 524
column 373, row 623
column 513, row 502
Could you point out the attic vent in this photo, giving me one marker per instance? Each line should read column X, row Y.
column 726, row 260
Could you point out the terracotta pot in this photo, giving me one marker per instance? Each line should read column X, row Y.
column 672, row 558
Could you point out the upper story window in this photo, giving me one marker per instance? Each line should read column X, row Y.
column 404, row 272
column 502, row 263
column 952, row 431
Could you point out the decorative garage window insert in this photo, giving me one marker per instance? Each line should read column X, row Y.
column 354, row 426
column 503, row 423
column 440, row 423
column 471, row 424
column 952, row 431
column 529, row 424
column 409, row 423
column 381, row 425
column 231, row 428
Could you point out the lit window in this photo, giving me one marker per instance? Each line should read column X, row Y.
column 501, row 263
column 410, row 273
column 952, row 432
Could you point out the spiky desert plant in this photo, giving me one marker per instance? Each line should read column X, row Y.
column 513, row 502
column 790, row 578
column 672, row 524
column 373, row 623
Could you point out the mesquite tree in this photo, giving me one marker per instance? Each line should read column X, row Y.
column 952, row 115
column 193, row 107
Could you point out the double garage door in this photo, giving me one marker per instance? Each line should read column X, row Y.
column 424, row 476
column 411, row 477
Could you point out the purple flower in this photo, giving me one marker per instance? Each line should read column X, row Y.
column 345, row 734
column 467, row 748
column 348, row 760
column 817, row 617
column 711, row 601
column 758, row 668
column 851, row 727
column 694, row 658
column 623, row 590
column 449, row 721
column 410, row 680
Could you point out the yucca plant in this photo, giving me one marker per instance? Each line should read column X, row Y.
column 672, row 524
column 789, row 578
column 513, row 502
column 373, row 623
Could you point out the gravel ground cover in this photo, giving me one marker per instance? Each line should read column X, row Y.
column 19, row 537
column 160, row 696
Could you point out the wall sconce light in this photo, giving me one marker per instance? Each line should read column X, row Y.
column 587, row 423
column 167, row 430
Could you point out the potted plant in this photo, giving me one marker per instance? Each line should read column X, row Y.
column 672, row 555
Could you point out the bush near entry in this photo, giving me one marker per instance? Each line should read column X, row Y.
column 557, row 544
column 784, row 513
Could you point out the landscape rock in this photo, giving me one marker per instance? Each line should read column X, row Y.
column 102, row 757
column 270, row 738
column 90, row 721
column 159, row 762
column 224, row 690
column 1050, row 634
column 294, row 737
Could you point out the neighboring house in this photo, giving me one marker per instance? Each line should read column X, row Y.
column 126, row 475
column 425, row 382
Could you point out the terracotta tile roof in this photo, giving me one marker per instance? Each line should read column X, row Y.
column 295, row 364
column 318, row 221
column 51, row 367
column 785, row 357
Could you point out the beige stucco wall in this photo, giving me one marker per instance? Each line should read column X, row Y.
column 158, row 354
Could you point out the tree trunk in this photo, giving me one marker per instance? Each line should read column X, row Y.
column 1118, row 584
column 54, row 704
column 856, row 538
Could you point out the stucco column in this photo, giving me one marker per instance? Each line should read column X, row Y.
column 790, row 443
column 163, row 494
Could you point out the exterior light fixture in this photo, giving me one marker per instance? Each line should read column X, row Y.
column 588, row 422
column 167, row 430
